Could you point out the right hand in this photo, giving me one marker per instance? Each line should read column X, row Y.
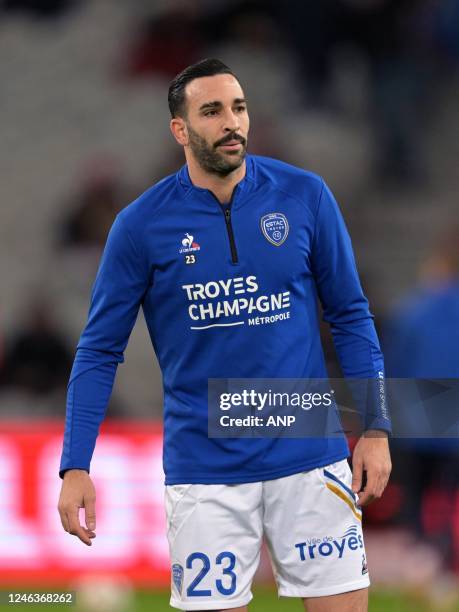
column 78, row 492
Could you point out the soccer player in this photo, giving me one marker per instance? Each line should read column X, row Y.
column 228, row 258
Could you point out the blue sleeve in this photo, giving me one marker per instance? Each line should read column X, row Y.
column 118, row 291
column 346, row 309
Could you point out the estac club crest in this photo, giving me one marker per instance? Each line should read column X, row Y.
column 177, row 576
column 275, row 228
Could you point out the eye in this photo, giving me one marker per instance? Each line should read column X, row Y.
column 210, row 113
column 241, row 108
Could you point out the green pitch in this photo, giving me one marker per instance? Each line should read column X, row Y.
column 265, row 600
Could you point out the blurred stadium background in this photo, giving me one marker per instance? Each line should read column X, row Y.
column 363, row 92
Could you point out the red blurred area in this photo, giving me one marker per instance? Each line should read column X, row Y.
column 127, row 473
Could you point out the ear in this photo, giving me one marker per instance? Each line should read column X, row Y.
column 178, row 129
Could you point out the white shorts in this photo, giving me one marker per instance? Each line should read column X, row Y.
column 312, row 527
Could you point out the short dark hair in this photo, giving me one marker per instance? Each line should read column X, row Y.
column 204, row 68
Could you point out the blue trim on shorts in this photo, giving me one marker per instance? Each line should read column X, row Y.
column 338, row 481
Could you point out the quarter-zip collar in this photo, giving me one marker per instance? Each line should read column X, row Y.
column 242, row 187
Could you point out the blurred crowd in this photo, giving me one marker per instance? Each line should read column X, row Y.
column 384, row 65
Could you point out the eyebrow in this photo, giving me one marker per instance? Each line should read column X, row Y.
column 217, row 104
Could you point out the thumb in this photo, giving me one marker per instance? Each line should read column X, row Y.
column 90, row 514
column 357, row 470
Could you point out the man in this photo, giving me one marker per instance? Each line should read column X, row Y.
column 421, row 340
column 193, row 251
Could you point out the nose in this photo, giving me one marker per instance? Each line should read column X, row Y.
column 231, row 123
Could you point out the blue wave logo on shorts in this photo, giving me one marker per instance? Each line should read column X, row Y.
column 177, row 576
column 351, row 531
column 331, row 547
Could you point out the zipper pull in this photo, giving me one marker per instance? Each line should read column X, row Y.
column 227, row 214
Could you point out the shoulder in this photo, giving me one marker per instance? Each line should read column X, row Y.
column 150, row 203
column 292, row 180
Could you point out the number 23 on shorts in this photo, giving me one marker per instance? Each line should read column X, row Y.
column 226, row 585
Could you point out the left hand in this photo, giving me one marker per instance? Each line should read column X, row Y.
column 371, row 453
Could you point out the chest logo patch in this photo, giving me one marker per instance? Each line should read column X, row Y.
column 177, row 576
column 189, row 245
column 275, row 228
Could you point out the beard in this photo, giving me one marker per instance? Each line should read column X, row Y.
column 209, row 156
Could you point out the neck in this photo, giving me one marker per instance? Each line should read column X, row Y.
column 221, row 186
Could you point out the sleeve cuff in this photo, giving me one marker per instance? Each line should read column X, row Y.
column 62, row 472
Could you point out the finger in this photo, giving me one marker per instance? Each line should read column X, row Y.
column 365, row 498
column 357, row 471
column 90, row 513
column 369, row 492
column 90, row 534
column 66, row 526
column 76, row 529
column 375, row 487
column 382, row 484
column 379, row 482
column 64, row 520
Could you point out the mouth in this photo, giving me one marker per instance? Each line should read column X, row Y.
column 231, row 145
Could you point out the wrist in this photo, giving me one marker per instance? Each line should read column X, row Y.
column 75, row 470
column 375, row 433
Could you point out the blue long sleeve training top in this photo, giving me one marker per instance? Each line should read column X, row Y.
column 210, row 281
